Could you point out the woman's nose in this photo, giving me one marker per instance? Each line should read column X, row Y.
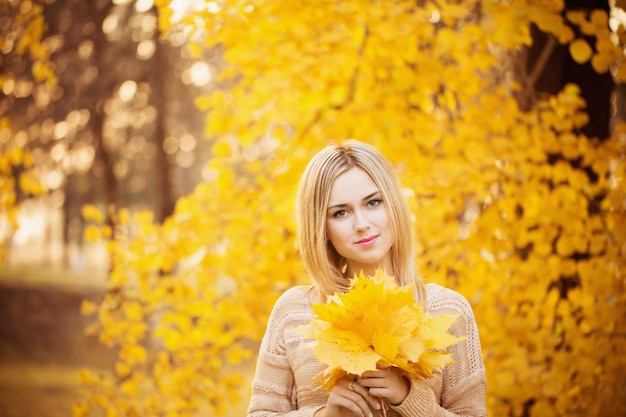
column 361, row 222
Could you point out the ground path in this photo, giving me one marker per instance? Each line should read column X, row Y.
column 43, row 345
column 42, row 342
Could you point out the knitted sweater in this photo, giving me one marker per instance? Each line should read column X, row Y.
column 283, row 382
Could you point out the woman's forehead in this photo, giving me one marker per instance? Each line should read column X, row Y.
column 354, row 183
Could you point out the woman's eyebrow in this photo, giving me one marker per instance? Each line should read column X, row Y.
column 337, row 206
column 367, row 197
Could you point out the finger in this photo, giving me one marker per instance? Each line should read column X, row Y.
column 365, row 394
column 375, row 378
column 350, row 395
column 379, row 373
column 368, row 374
column 373, row 381
column 356, row 403
column 342, row 403
column 395, row 388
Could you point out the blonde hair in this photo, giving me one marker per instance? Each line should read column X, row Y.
column 321, row 260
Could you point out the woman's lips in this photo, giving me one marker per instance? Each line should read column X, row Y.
column 368, row 241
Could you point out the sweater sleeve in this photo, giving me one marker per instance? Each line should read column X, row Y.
column 274, row 390
column 460, row 389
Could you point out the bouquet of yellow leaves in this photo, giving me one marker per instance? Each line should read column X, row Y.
column 377, row 323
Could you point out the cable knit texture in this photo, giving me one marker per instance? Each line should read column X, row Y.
column 283, row 382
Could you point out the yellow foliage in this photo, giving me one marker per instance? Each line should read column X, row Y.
column 515, row 209
column 87, row 378
column 376, row 323
column 94, row 233
column 130, row 387
column 80, row 410
column 607, row 52
column 18, row 176
column 29, row 25
column 580, row 50
column 91, row 213
column 87, row 308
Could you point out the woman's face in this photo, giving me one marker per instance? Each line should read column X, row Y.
column 357, row 223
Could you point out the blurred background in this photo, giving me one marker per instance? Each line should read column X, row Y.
column 118, row 126
column 508, row 137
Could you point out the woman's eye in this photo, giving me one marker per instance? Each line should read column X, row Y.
column 339, row 213
column 374, row 203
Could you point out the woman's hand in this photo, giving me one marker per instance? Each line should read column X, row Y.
column 348, row 394
column 387, row 383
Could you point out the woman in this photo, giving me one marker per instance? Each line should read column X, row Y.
column 353, row 217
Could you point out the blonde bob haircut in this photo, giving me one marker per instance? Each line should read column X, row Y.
column 321, row 261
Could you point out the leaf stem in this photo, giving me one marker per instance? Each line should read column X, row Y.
column 383, row 408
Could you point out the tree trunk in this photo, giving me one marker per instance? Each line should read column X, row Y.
column 96, row 97
column 556, row 68
column 158, row 76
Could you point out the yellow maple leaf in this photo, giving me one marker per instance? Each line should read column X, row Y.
column 377, row 323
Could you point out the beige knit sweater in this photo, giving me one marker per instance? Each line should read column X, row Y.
column 283, row 386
